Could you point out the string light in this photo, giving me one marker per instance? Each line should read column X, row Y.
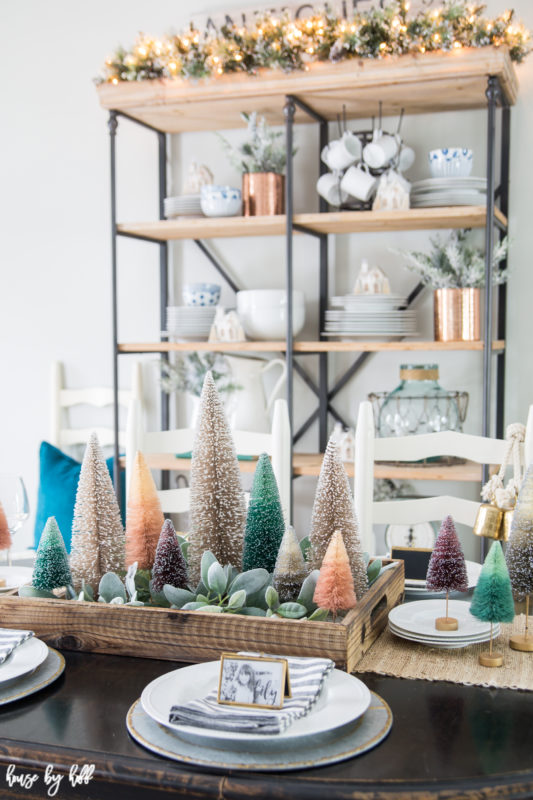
column 292, row 44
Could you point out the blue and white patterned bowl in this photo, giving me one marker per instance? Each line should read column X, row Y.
column 450, row 162
column 201, row 294
column 221, row 201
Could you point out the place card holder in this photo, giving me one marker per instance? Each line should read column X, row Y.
column 253, row 681
column 416, row 561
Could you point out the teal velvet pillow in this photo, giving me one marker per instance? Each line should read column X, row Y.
column 58, row 482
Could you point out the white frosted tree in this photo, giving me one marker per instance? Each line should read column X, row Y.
column 333, row 509
column 290, row 570
column 97, row 532
column 519, row 554
column 217, row 509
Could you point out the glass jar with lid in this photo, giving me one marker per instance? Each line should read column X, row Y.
column 419, row 404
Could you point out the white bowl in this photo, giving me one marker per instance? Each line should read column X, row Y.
column 221, row 201
column 263, row 313
column 450, row 162
column 201, row 294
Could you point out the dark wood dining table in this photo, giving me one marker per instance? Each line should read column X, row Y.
column 446, row 741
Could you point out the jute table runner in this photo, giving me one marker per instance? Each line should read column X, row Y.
column 390, row 655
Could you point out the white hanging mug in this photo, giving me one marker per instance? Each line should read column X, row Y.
column 328, row 187
column 381, row 150
column 342, row 152
column 359, row 183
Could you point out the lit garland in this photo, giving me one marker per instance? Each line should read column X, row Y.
column 288, row 45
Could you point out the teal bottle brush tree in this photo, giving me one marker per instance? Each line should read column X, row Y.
column 264, row 523
column 493, row 599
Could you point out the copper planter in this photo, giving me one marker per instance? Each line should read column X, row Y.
column 457, row 315
column 262, row 194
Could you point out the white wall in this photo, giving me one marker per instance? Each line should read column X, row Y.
column 55, row 297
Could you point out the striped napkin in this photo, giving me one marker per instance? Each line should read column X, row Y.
column 10, row 640
column 307, row 676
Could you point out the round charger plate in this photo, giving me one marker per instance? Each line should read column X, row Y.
column 15, row 577
column 43, row 676
column 23, row 660
column 344, row 743
column 344, row 698
column 420, row 617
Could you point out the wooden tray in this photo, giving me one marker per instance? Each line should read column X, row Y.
column 192, row 636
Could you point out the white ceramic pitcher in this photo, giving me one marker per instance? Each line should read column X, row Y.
column 248, row 408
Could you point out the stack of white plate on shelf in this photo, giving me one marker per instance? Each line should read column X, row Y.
column 343, row 700
column 467, row 191
column 190, row 322
column 370, row 315
column 416, row 623
column 185, row 205
column 419, row 588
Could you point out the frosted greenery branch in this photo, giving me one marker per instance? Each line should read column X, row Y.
column 288, row 45
column 187, row 374
column 263, row 152
column 453, row 263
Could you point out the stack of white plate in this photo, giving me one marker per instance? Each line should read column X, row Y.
column 416, row 623
column 185, row 205
column 449, row 192
column 190, row 322
column 343, row 700
column 418, row 587
column 374, row 315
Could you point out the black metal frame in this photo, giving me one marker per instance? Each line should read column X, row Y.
column 325, row 394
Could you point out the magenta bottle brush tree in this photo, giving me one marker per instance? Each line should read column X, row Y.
column 493, row 599
column 170, row 567
column 447, row 570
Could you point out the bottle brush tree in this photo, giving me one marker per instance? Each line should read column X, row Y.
column 97, row 532
column 447, row 569
column 217, row 512
column 333, row 509
column 170, row 566
column 5, row 533
column 493, row 598
column 264, row 521
column 290, row 569
column 144, row 518
column 519, row 555
column 335, row 587
column 51, row 569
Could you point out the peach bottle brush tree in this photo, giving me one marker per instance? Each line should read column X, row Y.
column 335, row 586
column 493, row 599
column 144, row 518
column 217, row 512
column 97, row 532
column 51, row 569
column 5, row 533
column 447, row 569
column 333, row 509
column 519, row 556
column 264, row 521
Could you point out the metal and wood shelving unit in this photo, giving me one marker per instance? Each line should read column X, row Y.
column 433, row 82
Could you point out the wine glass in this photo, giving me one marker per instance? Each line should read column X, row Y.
column 14, row 500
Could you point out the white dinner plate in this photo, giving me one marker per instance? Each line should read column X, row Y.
column 441, row 645
column 15, row 577
column 470, row 182
column 420, row 617
column 344, row 698
column 449, row 200
column 473, row 570
column 440, row 636
column 23, row 660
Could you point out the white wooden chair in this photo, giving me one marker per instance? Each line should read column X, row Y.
column 62, row 435
column 247, row 443
column 369, row 448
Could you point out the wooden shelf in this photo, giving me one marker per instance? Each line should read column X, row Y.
column 304, row 347
column 310, row 463
column 419, row 83
column 335, row 222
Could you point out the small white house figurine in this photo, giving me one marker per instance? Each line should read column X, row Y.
column 226, row 327
column 393, row 193
column 371, row 280
column 345, row 439
column 198, row 175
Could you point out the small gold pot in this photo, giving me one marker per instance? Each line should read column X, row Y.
column 457, row 315
column 263, row 194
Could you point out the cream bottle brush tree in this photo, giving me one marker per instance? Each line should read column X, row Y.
column 97, row 533
column 333, row 509
column 519, row 556
column 290, row 569
column 217, row 508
